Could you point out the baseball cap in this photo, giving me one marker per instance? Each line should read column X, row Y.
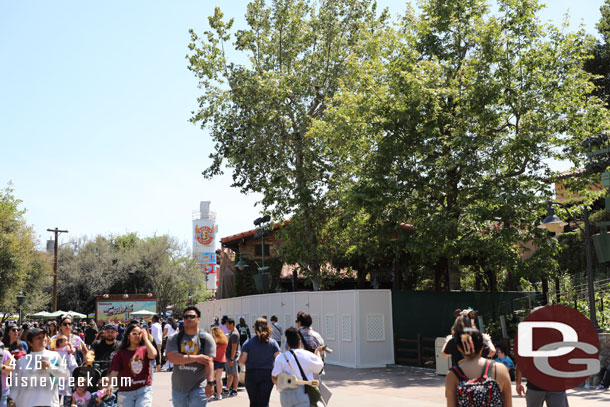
column 111, row 326
column 32, row 333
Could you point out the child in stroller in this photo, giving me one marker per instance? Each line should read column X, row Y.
column 95, row 386
column 100, row 398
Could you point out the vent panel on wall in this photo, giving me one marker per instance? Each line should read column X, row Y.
column 375, row 327
column 347, row 328
column 330, row 327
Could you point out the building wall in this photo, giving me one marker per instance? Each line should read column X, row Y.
column 375, row 327
column 249, row 246
column 356, row 324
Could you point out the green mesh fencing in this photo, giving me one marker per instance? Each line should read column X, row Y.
column 430, row 313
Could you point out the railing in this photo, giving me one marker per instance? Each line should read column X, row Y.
column 197, row 215
column 414, row 352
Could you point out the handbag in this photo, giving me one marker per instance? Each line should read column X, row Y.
column 312, row 391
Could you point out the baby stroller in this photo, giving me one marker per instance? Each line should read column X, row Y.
column 92, row 374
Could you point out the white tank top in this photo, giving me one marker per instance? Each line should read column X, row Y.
column 170, row 330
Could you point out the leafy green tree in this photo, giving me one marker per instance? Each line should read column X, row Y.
column 599, row 64
column 452, row 127
column 22, row 267
column 128, row 264
column 259, row 111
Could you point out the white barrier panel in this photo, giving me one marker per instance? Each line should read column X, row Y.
column 356, row 324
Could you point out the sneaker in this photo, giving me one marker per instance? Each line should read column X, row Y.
column 225, row 390
column 232, row 393
column 215, row 398
column 600, row 387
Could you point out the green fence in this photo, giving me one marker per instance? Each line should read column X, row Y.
column 430, row 313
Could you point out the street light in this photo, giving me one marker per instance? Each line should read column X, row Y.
column 553, row 224
column 20, row 301
column 241, row 264
column 263, row 229
column 261, row 279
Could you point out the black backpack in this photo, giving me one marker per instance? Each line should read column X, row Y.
column 484, row 391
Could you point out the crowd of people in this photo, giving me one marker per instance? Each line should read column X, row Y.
column 58, row 363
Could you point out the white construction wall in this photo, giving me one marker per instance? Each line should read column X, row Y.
column 356, row 324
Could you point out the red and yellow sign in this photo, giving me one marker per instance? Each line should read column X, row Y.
column 204, row 235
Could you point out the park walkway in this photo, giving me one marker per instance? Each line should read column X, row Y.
column 387, row 387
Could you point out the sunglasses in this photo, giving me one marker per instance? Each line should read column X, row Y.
column 190, row 316
column 14, row 330
column 66, row 323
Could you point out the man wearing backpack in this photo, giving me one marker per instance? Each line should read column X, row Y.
column 192, row 352
column 311, row 339
column 277, row 331
column 477, row 381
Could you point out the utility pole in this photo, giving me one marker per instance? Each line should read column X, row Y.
column 57, row 232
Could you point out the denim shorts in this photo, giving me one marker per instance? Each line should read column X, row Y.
column 195, row 398
column 141, row 397
column 232, row 369
column 219, row 365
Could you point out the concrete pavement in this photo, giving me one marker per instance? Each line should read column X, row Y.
column 392, row 386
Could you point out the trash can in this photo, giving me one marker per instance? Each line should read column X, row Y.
column 442, row 364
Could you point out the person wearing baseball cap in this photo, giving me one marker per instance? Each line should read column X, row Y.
column 106, row 347
column 28, row 388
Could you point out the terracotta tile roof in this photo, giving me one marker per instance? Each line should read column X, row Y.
column 248, row 234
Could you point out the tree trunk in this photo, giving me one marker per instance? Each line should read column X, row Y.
column 545, row 290
column 478, row 282
column 492, row 280
column 304, row 202
column 361, row 276
column 557, row 291
column 439, row 274
column 509, row 281
column 453, row 276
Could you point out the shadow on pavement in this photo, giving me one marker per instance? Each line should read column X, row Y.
column 382, row 378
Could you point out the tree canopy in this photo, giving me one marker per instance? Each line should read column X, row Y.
column 259, row 112
column 599, row 64
column 452, row 130
column 128, row 264
column 447, row 120
column 22, row 267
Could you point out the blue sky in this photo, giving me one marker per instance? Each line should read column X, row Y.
column 94, row 108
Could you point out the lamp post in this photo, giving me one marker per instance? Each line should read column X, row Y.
column 20, row 301
column 262, row 227
column 553, row 224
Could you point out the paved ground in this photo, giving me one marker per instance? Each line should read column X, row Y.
column 384, row 387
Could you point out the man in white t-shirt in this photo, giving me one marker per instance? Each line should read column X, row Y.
column 37, row 375
column 296, row 361
column 157, row 333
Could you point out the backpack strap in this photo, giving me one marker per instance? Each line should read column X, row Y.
column 179, row 340
column 485, row 372
column 306, row 344
column 300, row 368
column 457, row 370
column 200, row 334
